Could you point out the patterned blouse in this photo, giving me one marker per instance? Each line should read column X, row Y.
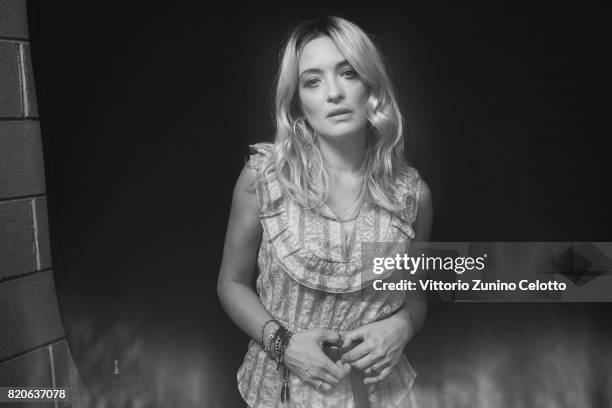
column 307, row 279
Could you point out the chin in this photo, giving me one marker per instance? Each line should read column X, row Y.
column 342, row 130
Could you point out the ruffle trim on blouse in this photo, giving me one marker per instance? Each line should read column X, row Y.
column 305, row 255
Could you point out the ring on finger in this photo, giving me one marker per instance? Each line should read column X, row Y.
column 376, row 371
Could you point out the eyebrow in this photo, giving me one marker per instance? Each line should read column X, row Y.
column 318, row 71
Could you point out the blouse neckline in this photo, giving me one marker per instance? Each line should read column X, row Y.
column 328, row 213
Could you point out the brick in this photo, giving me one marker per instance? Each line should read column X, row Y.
column 43, row 245
column 13, row 19
column 21, row 159
column 11, row 104
column 30, row 370
column 27, row 405
column 17, row 251
column 30, row 104
column 29, row 312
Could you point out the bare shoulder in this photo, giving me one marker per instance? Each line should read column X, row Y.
column 424, row 195
column 244, row 215
column 245, row 204
column 424, row 217
column 246, row 182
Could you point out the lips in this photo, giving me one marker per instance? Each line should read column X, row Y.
column 338, row 111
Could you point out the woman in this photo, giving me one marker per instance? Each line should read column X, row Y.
column 334, row 179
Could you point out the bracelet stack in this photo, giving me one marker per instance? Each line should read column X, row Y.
column 275, row 347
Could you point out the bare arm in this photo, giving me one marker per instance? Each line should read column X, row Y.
column 242, row 240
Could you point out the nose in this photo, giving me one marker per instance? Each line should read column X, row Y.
column 335, row 92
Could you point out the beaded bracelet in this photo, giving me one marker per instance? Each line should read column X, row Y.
column 275, row 348
column 277, row 344
column 285, row 342
column 262, row 344
column 274, row 339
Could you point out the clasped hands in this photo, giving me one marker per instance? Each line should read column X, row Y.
column 375, row 348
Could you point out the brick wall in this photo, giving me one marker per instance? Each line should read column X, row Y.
column 33, row 347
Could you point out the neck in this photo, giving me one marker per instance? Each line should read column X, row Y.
column 344, row 155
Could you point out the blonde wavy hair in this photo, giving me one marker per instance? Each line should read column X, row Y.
column 297, row 159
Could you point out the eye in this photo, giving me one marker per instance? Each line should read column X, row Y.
column 311, row 82
column 349, row 73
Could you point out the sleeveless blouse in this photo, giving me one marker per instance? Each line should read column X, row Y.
column 309, row 279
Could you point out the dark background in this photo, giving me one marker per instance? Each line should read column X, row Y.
column 147, row 111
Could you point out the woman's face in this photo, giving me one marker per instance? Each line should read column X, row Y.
column 332, row 95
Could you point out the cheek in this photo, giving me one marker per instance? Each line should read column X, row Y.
column 309, row 104
column 364, row 94
column 361, row 98
column 359, row 94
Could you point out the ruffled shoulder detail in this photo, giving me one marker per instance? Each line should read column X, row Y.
column 261, row 164
column 308, row 246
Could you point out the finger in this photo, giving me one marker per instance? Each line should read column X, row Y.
column 330, row 336
column 320, row 385
column 324, row 364
column 383, row 374
column 335, row 370
column 346, row 368
column 367, row 361
column 355, row 354
column 377, row 367
column 326, row 378
column 353, row 336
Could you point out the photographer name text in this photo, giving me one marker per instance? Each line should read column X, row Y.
column 473, row 285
